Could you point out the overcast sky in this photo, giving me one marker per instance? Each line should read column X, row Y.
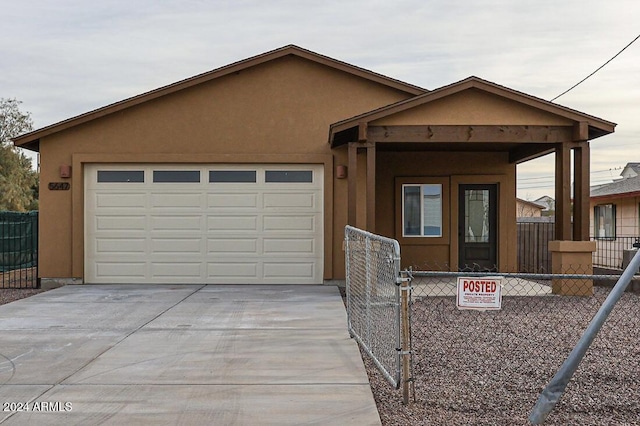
column 65, row 57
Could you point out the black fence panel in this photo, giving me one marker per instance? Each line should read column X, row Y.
column 18, row 250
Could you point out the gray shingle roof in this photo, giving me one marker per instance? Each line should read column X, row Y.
column 622, row 186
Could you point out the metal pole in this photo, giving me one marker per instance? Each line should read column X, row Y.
column 556, row 387
column 406, row 354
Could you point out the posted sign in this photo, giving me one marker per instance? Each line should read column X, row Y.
column 479, row 293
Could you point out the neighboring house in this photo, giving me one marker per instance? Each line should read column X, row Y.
column 526, row 208
column 548, row 203
column 615, row 217
column 249, row 173
column 615, row 207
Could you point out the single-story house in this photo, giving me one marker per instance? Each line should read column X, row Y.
column 615, row 207
column 525, row 208
column 548, row 203
column 249, row 173
column 615, row 219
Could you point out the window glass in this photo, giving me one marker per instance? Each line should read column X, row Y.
column 112, row 176
column 476, row 227
column 176, row 176
column 605, row 221
column 411, row 210
column 422, row 210
column 232, row 176
column 298, row 176
column 432, row 210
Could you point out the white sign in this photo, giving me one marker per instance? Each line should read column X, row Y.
column 479, row 293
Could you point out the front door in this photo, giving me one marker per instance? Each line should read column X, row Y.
column 477, row 227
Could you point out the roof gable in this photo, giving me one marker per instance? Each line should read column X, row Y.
column 630, row 170
column 31, row 140
column 597, row 126
column 472, row 106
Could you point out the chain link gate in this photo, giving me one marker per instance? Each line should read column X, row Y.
column 373, row 298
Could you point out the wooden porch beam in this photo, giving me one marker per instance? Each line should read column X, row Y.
column 371, row 188
column 362, row 132
column 466, row 133
column 563, row 193
column 352, row 184
column 581, row 193
column 581, row 131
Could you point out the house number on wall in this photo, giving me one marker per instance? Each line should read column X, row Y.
column 59, row 186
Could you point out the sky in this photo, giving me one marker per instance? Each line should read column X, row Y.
column 63, row 58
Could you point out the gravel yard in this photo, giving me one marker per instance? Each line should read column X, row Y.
column 488, row 368
column 8, row 295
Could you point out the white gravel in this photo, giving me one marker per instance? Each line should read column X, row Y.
column 488, row 368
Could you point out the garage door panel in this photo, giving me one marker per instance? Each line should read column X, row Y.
column 295, row 246
column 288, row 270
column 176, row 269
column 233, row 223
column 230, row 227
column 229, row 270
column 302, row 200
column 290, row 223
column 176, row 201
column 108, row 246
column 233, row 201
column 120, row 200
column 176, row 223
column 120, row 223
column 121, row 269
column 176, row 245
column 232, row 245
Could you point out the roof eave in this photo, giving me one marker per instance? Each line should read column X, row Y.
column 614, row 196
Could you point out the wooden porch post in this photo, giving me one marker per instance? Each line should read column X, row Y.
column 581, row 192
column 563, row 192
column 371, row 187
column 352, row 184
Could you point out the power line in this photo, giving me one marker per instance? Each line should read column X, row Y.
column 553, row 176
column 540, row 185
column 598, row 69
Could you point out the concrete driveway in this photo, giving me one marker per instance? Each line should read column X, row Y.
column 181, row 354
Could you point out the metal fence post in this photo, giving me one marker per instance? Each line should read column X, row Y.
column 405, row 330
column 551, row 394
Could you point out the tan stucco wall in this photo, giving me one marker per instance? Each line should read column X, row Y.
column 453, row 169
column 473, row 107
column 279, row 111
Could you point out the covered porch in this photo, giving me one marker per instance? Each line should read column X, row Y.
column 467, row 138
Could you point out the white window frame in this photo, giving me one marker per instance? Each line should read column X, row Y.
column 596, row 222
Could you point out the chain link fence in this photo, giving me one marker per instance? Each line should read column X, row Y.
column 488, row 367
column 373, row 298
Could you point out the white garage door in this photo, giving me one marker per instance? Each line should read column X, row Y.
column 222, row 224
